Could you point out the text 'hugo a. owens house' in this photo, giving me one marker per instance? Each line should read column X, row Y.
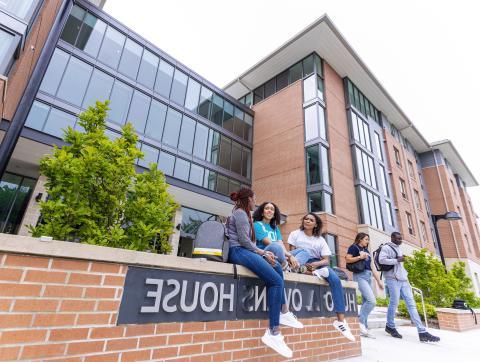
column 308, row 127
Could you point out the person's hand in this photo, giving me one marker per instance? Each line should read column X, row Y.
column 270, row 258
column 380, row 284
column 400, row 259
column 310, row 267
column 293, row 262
column 363, row 255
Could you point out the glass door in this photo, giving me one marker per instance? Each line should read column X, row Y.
column 15, row 192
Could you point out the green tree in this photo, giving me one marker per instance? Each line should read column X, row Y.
column 95, row 194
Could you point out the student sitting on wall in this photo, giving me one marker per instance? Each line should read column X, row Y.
column 312, row 253
column 267, row 233
column 243, row 251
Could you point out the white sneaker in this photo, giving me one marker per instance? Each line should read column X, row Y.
column 277, row 344
column 363, row 330
column 289, row 319
column 344, row 329
column 321, row 273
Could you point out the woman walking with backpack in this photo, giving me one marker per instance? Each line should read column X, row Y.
column 243, row 251
column 359, row 263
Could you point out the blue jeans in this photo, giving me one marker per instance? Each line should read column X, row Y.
column 397, row 289
column 303, row 257
column 277, row 250
column 272, row 276
column 364, row 280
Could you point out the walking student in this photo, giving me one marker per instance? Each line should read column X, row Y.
column 312, row 251
column 360, row 262
column 399, row 286
column 267, row 232
column 243, row 251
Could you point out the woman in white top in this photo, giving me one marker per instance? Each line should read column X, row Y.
column 312, row 251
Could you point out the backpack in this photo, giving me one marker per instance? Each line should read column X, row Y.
column 461, row 304
column 211, row 242
column 376, row 259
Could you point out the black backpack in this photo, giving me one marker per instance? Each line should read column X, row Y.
column 461, row 304
column 376, row 259
column 211, row 242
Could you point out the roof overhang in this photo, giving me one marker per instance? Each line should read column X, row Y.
column 325, row 39
column 449, row 151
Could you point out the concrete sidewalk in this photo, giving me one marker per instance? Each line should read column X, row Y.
column 453, row 346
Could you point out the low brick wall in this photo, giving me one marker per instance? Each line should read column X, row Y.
column 60, row 301
column 457, row 319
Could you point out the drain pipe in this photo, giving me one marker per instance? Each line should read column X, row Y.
column 7, row 146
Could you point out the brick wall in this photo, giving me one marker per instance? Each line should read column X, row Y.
column 52, row 308
column 457, row 320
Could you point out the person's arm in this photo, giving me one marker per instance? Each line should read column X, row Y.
column 349, row 258
column 376, row 275
column 261, row 234
column 386, row 258
column 324, row 253
column 243, row 231
column 292, row 240
column 317, row 264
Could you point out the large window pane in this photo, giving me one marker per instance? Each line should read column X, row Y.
column 325, row 165
column 205, row 102
column 150, row 156
column 308, row 65
column 148, row 69
column 75, row 81
column 222, row 185
column 120, row 102
column 20, row 8
column 196, row 175
column 383, row 180
column 164, row 79
column 236, row 158
column 187, row 133
column 73, row 24
column 201, row 140
column 91, row 35
column 238, row 125
column 270, row 88
column 193, row 94
column 258, row 94
column 7, row 41
column 210, row 180
column 228, row 116
column 309, row 88
column 233, row 186
column 156, row 120
column 365, row 209
column 282, row 80
column 182, row 169
column 139, row 111
column 58, row 121
column 179, row 87
column 130, row 61
column 166, row 163
column 315, row 202
column 213, row 147
column 247, row 127
column 111, row 47
column 246, row 162
column 217, row 109
column 311, row 123
column 54, row 73
column 378, row 145
column 321, row 120
column 225, row 152
column 295, row 72
column 320, row 89
column 327, row 200
column 313, row 166
column 98, row 89
column 37, row 116
column 172, row 128
column 388, row 208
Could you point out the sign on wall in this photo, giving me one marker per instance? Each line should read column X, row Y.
column 160, row 295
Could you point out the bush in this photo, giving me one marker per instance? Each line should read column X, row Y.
column 429, row 308
column 95, row 195
column 382, row 302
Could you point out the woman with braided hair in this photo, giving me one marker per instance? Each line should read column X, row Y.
column 243, row 251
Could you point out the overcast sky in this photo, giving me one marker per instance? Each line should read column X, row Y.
column 425, row 53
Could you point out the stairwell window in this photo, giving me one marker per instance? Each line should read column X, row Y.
column 403, row 189
column 397, row 156
column 411, row 231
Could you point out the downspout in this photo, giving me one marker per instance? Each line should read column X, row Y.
column 7, row 146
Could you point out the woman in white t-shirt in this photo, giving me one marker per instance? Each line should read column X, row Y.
column 312, row 251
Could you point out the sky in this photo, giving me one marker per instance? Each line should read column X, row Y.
column 425, row 53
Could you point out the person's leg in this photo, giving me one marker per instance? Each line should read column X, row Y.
column 301, row 255
column 269, row 275
column 394, row 291
column 407, row 296
column 278, row 251
column 337, row 292
column 368, row 297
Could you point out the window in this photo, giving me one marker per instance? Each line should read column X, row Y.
column 91, row 35
column 403, row 189
column 225, row 152
column 246, row 162
column 210, row 180
column 308, row 65
column 119, row 102
column 213, row 147
column 388, row 208
column 156, row 120
column 201, row 141
column 22, row 9
column 411, row 231
column 148, row 69
column 320, row 201
column 411, row 173
column 179, row 87
column 74, row 82
column 182, row 169
column 417, row 200
column 258, row 94
column 205, row 102
column 247, row 127
column 130, row 61
column 295, row 72
column 238, row 124
column 269, row 88
column 150, row 156
column 222, row 185
column 196, row 175
column 332, row 245
column 236, row 158
column 217, row 109
column 365, row 168
column 360, row 131
column 228, row 116
column 166, row 163
column 172, row 128
column 309, row 88
column 315, row 122
column 378, row 145
column 111, row 47
column 361, row 103
column 73, row 25
column 139, row 111
column 397, row 156
column 282, row 80
column 424, row 231
column 383, row 179
column 370, row 208
column 37, row 116
column 57, row 122
column 318, row 168
column 164, row 79
column 187, row 133
column 193, row 94
column 99, row 88
column 54, row 72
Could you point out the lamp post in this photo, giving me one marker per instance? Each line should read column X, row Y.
column 449, row 215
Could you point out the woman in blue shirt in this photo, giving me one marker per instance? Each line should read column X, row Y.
column 267, row 233
column 356, row 252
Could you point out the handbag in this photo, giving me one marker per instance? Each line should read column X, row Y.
column 358, row 266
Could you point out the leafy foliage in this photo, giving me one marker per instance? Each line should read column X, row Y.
column 95, row 194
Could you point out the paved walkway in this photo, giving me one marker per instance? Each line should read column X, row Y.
column 453, row 346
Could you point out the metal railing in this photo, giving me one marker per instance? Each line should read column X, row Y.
column 419, row 291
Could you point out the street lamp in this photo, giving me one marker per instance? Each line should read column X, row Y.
column 449, row 215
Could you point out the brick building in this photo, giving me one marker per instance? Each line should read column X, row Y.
column 308, row 127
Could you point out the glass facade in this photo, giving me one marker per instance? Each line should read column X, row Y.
column 194, row 134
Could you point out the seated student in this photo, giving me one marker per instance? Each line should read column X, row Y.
column 312, row 251
column 267, row 233
column 243, row 251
